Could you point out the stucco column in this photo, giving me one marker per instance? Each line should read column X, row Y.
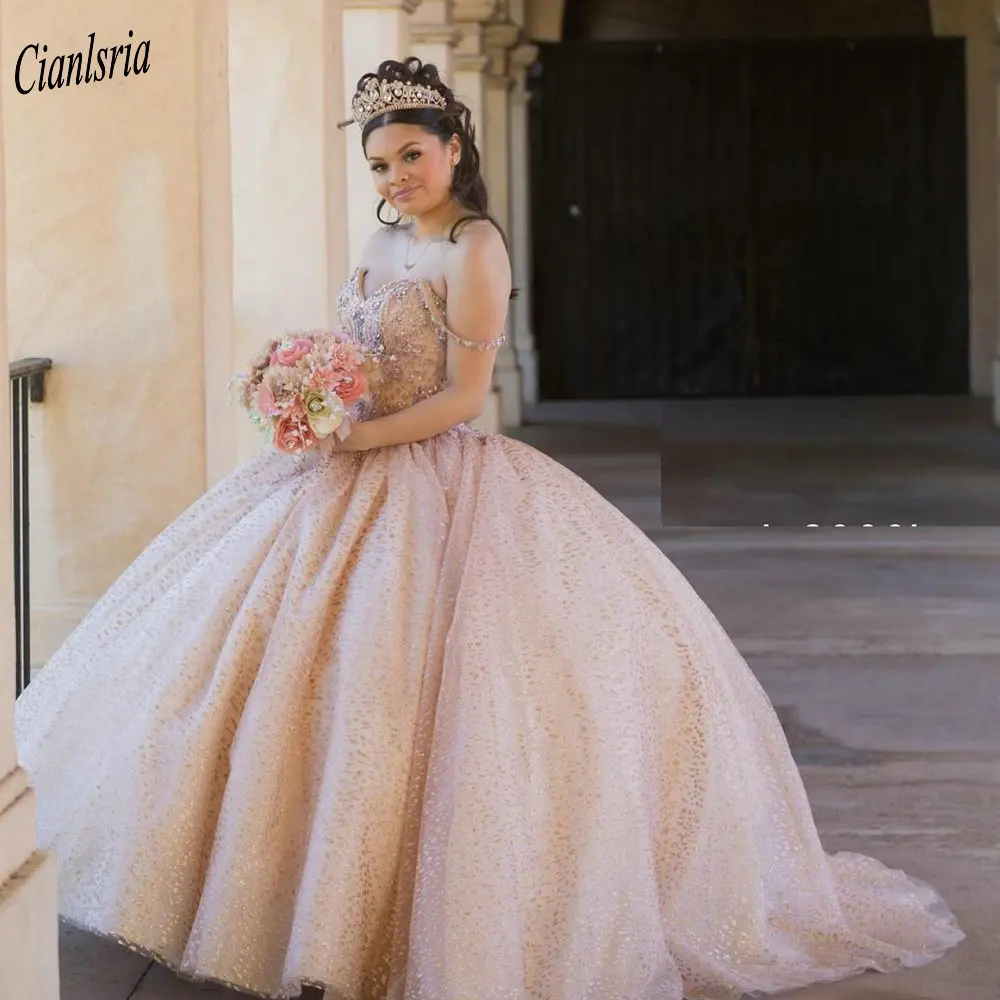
column 470, row 87
column 982, row 69
column 498, row 39
column 979, row 24
column 993, row 159
column 521, row 59
column 29, row 926
column 485, row 92
column 470, row 59
column 433, row 37
column 982, row 66
column 371, row 32
column 219, row 356
column 995, row 243
column 288, row 172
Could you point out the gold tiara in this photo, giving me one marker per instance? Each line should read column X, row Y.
column 378, row 97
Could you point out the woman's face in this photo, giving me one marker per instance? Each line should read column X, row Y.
column 412, row 168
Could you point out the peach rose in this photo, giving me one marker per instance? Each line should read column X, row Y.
column 293, row 433
column 351, row 387
column 290, row 352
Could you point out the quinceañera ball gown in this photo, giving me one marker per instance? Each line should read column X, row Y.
column 437, row 722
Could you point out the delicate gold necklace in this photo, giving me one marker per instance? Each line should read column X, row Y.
column 409, row 243
column 430, row 242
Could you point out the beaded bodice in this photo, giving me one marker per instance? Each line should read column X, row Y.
column 403, row 323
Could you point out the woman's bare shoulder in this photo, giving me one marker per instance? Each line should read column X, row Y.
column 480, row 247
column 481, row 233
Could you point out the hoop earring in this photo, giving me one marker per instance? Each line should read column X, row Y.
column 385, row 222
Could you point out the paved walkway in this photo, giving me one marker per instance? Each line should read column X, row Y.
column 879, row 647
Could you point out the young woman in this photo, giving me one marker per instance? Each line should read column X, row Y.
column 421, row 715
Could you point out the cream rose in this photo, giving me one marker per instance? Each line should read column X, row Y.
column 324, row 411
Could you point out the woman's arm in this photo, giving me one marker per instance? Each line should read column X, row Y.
column 479, row 281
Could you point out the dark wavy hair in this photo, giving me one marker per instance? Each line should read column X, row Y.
column 468, row 187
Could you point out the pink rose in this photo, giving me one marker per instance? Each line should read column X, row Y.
column 290, row 352
column 293, row 433
column 265, row 401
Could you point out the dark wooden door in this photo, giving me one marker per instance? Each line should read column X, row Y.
column 715, row 219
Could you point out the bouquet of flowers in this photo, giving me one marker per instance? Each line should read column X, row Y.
column 298, row 390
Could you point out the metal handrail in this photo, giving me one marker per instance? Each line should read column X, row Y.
column 27, row 385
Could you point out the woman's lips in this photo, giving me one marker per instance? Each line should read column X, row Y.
column 405, row 195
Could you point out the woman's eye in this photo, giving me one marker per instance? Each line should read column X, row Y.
column 378, row 167
column 412, row 155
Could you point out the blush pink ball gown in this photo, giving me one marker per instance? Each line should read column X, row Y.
column 437, row 722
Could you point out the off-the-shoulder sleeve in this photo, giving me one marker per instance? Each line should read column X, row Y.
column 436, row 309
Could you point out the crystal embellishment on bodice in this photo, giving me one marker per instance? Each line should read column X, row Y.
column 403, row 323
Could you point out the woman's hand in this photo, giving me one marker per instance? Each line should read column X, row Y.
column 358, row 439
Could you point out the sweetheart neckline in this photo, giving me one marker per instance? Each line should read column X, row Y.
column 360, row 274
column 434, row 309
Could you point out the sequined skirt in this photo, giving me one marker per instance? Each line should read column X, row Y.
column 437, row 722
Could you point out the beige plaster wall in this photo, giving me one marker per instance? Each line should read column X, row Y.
column 288, row 172
column 103, row 275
